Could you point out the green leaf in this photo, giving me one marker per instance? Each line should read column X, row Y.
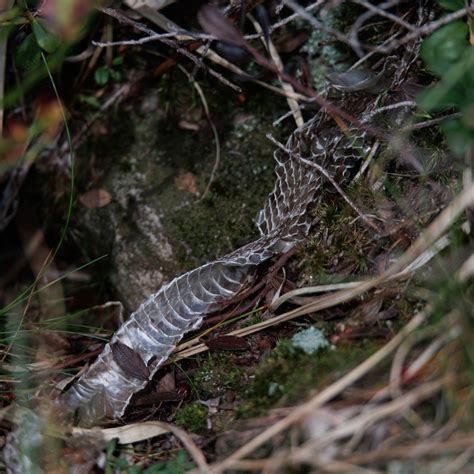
column 445, row 46
column 459, row 139
column 46, row 41
column 115, row 75
column 111, row 447
column 118, row 61
column 451, row 5
column 90, row 100
column 28, row 52
column 122, row 463
column 102, row 75
column 441, row 97
column 455, row 88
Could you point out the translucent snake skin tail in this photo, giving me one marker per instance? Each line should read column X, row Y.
column 156, row 327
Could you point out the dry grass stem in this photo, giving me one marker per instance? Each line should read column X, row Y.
column 293, row 104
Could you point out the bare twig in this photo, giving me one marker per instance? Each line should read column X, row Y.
column 173, row 44
column 381, row 11
column 303, row 13
column 288, row 19
column 425, row 30
column 428, row 123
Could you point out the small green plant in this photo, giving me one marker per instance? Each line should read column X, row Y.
column 289, row 374
column 177, row 465
column 192, row 417
column 104, row 74
column 218, row 374
column 449, row 54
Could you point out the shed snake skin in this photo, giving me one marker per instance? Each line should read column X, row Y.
column 152, row 332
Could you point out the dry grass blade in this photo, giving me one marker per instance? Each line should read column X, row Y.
column 293, row 104
column 415, row 265
column 136, row 432
column 214, row 132
column 150, row 10
column 313, row 449
column 460, row 442
column 191, row 447
column 127, row 434
column 361, row 422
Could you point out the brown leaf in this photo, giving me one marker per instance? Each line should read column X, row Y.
column 66, row 17
column 95, row 198
column 261, row 14
column 187, row 182
column 167, row 383
column 215, row 23
column 227, row 343
column 129, row 361
column 234, row 54
column 289, row 42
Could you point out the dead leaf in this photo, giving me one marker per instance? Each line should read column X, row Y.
column 227, row 343
column 261, row 14
column 126, row 434
column 95, row 198
column 130, row 361
column 66, row 17
column 186, row 182
column 234, row 54
column 290, row 42
column 215, row 23
column 167, row 383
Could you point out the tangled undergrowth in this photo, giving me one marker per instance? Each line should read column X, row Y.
column 134, row 149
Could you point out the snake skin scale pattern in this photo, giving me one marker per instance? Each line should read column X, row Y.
column 152, row 332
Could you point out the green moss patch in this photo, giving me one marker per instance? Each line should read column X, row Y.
column 289, row 375
column 192, row 417
column 218, row 374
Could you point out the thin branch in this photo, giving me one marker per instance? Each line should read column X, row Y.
column 425, row 30
column 173, row 44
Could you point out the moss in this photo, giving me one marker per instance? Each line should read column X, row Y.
column 192, row 417
column 153, row 229
column 324, row 54
column 218, row 374
column 344, row 248
column 289, row 375
column 224, row 220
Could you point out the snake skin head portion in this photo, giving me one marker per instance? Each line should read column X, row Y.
column 321, row 141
